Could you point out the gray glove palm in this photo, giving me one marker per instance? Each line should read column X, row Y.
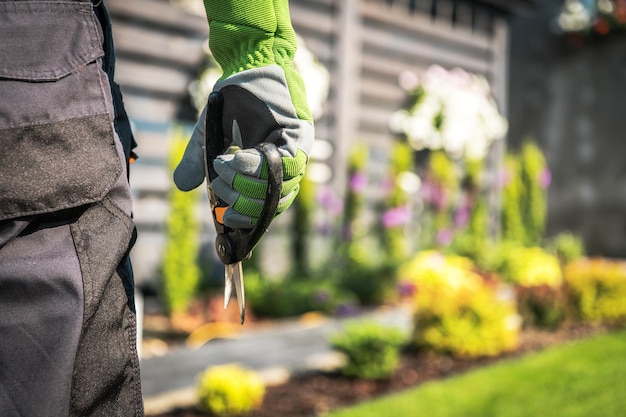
column 257, row 108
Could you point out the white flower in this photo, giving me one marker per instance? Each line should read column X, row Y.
column 575, row 16
column 454, row 112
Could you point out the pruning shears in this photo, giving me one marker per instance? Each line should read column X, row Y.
column 233, row 245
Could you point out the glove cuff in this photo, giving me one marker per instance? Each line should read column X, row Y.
column 246, row 36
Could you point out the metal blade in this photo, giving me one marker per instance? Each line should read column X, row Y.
column 229, row 272
column 241, row 296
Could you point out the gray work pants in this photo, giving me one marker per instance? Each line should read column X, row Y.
column 67, row 322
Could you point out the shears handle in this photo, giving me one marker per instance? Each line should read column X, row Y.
column 234, row 245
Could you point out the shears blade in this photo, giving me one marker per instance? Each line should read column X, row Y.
column 233, row 275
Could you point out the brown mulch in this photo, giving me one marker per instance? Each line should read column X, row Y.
column 318, row 393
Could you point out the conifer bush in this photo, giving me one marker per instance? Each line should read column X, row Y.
column 180, row 272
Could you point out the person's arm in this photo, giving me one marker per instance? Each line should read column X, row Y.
column 264, row 100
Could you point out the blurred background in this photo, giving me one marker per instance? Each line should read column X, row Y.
column 555, row 70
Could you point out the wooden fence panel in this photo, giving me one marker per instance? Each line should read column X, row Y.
column 158, row 49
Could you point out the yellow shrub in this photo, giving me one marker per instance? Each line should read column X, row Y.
column 433, row 269
column 457, row 311
column 229, row 390
column 597, row 288
column 530, row 267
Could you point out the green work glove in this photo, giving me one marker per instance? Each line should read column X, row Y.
column 264, row 101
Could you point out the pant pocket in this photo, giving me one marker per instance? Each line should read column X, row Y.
column 56, row 129
column 106, row 377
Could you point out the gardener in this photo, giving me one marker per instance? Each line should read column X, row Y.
column 67, row 323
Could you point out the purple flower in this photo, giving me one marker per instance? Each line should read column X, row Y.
column 545, row 178
column 358, row 182
column 444, row 237
column 397, row 216
column 327, row 199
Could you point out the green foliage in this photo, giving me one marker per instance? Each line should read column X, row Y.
column 474, row 243
column 355, row 197
column 444, row 171
column 567, row 247
column 446, row 178
column 372, row 284
column 456, row 214
column 301, row 230
column 229, row 390
column 457, row 311
column 524, row 203
column 372, row 349
column 534, row 204
column 512, row 221
column 478, row 226
column 597, row 288
column 396, row 203
column 359, row 266
column 292, row 296
column 181, row 275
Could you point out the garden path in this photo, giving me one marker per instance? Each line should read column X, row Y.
column 276, row 351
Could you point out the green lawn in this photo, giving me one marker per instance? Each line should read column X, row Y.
column 582, row 379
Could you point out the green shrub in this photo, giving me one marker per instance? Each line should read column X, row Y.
column 293, row 296
column 229, row 390
column 541, row 305
column 567, row 247
column 370, row 284
column 372, row 349
column 458, row 312
column 597, row 289
column 530, row 266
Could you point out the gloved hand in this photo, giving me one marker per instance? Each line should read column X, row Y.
column 264, row 101
column 257, row 108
